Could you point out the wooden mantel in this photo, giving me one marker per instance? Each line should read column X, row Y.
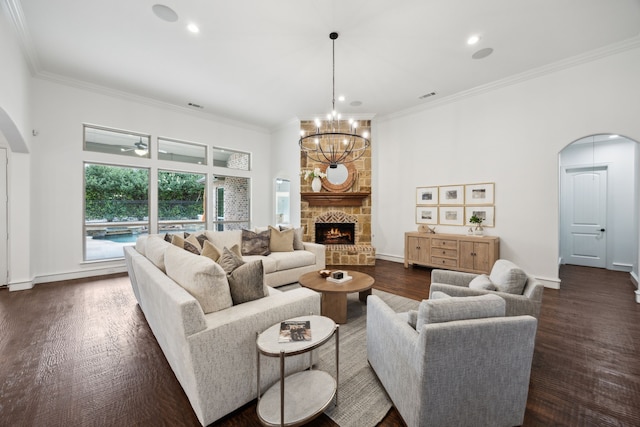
column 334, row 199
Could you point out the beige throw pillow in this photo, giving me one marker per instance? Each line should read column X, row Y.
column 201, row 277
column 281, row 241
column 298, row 244
column 189, row 244
column 229, row 261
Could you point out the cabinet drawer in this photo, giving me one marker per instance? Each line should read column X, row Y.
column 447, row 253
column 447, row 244
column 447, row 262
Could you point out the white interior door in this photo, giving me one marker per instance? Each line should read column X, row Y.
column 4, row 259
column 585, row 216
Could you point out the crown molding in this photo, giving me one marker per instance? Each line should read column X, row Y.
column 610, row 50
column 16, row 16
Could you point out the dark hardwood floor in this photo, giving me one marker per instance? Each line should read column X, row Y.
column 80, row 353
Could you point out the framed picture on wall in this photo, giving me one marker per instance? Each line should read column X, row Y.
column 487, row 213
column 427, row 196
column 451, row 215
column 452, row 195
column 426, row 215
column 479, row 194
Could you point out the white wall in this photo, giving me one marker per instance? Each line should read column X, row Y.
column 57, row 165
column 511, row 136
column 619, row 156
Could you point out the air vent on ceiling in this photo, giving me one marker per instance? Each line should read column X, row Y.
column 191, row 104
column 427, row 95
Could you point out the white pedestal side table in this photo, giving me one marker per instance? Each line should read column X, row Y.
column 302, row 396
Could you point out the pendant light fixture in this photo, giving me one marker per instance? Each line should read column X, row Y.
column 335, row 141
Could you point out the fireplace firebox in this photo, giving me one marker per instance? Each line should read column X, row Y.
column 335, row 233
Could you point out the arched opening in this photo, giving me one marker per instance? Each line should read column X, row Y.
column 599, row 203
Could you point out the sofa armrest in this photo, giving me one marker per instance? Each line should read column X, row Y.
column 455, row 278
column 319, row 251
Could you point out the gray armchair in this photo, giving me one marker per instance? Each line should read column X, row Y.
column 527, row 300
column 463, row 366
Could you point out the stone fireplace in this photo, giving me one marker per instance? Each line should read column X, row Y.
column 341, row 220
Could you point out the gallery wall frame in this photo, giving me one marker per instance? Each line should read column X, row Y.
column 455, row 204
column 426, row 215
column 452, row 195
column 487, row 213
column 426, row 196
column 479, row 194
column 451, row 215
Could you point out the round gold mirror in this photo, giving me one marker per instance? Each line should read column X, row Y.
column 340, row 178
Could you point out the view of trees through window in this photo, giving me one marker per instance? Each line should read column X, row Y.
column 181, row 201
column 116, row 208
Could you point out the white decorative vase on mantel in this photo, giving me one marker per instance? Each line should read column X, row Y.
column 316, row 184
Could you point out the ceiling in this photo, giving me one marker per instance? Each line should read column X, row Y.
column 266, row 62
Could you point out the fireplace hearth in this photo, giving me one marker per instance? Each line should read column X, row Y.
column 335, row 233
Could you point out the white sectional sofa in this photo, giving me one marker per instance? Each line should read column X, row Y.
column 213, row 355
column 280, row 268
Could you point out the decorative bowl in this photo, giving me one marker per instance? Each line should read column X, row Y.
column 324, row 273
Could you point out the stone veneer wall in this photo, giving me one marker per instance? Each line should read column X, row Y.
column 362, row 253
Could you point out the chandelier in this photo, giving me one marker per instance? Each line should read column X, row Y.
column 334, row 141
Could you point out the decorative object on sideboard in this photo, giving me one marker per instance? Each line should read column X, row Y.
column 335, row 141
column 477, row 220
column 423, row 228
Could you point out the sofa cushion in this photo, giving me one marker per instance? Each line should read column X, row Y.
column 229, row 261
column 280, row 241
column 255, row 243
column 483, row 282
column 295, row 259
column 269, row 263
column 411, row 317
column 210, row 251
column 439, row 295
column 246, row 282
column 190, row 244
column 298, row 245
column 201, row 277
column 459, row 308
column 220, row 239
column 154, row 251
column 508, row 277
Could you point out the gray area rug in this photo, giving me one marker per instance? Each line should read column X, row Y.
column 362, row 401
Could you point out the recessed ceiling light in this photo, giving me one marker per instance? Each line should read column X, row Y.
column 193, row 28
column 341, row 98
column 482, row 53
column 164, row 12
column 473, row 39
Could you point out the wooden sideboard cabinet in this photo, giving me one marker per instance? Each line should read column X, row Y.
column 473, row 254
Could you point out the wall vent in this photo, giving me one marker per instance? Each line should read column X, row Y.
column 191, row 104
column 427, row 95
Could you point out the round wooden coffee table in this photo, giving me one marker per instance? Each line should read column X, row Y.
column 334, row 295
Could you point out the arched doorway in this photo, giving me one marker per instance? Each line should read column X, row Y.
column 598, row 202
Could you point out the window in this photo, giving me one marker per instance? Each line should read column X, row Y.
column 181, row 202
column 178, row 151
column 231, row 159
column 116, row 209
column 231, row 202
column 116, row 142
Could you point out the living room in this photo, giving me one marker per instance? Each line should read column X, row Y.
column 509, row 131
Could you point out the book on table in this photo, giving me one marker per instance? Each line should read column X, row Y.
column 295, row 330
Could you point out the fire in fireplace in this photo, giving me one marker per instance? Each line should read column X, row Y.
column 335, row 233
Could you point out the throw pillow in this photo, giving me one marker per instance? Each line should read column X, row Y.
column 255, row 243
column 508, row 277
column 200, row 237
column 482, row 282
column 189, row 246
column 229, row 261
column 205, row 280
column 280, row 241
column 154, row 251
column 459, row 308
column 247, row 282
column 298, row 245
column 210, row 251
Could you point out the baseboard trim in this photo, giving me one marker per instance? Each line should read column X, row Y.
column 83, row 274
column 551, row 283
column 21, row 286
column 634, row 279
column 392, row 258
